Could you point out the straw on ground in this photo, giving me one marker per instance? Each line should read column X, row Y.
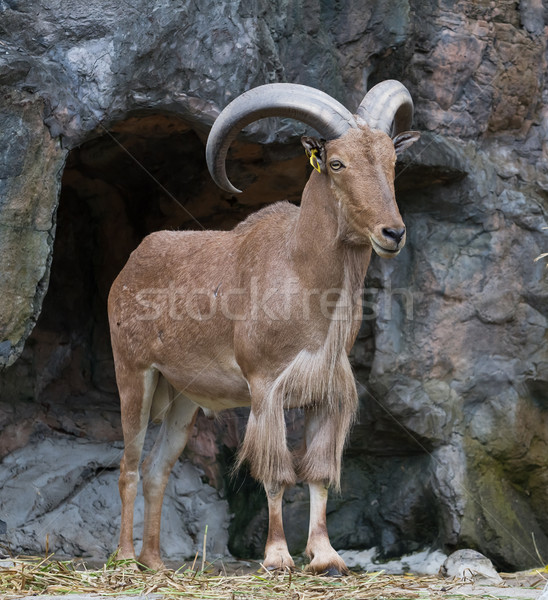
column 24, row 577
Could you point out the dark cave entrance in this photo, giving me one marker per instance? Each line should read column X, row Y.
column 147, row 174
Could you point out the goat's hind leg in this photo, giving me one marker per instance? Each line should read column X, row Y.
column 136, row 392
column 172, row 437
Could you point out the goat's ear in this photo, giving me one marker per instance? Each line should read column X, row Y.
column 315, row 150
column 404, row 140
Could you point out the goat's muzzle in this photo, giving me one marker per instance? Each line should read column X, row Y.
column 390, row 241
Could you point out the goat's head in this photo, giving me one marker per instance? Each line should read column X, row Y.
column 355, row 154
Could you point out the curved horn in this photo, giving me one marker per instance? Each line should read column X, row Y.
column 387, row 106
column 313, row 107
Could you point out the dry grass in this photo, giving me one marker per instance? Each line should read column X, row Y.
column 26, row 577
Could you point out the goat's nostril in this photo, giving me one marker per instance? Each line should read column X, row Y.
column 394, row 234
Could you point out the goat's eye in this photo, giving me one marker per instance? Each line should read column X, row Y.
column 336, row 165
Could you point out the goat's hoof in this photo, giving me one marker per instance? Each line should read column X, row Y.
column 278, row 560
column 123, row 560
column 328, row 570
column 151, row 564
column 276, row 569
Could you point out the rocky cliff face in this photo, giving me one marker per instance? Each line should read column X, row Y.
column 103, row 115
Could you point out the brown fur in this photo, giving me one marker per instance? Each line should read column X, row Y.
column 263, row 315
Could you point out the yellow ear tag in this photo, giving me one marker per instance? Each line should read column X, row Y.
column 314, row 161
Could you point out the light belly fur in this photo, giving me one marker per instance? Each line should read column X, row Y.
column 217, row 386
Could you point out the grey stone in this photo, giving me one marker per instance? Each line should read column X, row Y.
column 73, row 508
column 470, row 565
column 533, row 15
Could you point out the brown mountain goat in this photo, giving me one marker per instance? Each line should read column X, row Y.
column 263, row 315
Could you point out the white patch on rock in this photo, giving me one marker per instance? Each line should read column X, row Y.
column 92, row 62
column 426, row 562
column 469, row 565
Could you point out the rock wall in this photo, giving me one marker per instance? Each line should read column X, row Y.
column 451, row 449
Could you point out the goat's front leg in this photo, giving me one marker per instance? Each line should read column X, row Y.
column 276, row 552
column 320, row 465
column 265, row 448
column 324, row 558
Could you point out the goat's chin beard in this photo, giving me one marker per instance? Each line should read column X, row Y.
column 348, row 235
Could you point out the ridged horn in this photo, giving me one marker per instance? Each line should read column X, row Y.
column 387, row 106
column 303, row 103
